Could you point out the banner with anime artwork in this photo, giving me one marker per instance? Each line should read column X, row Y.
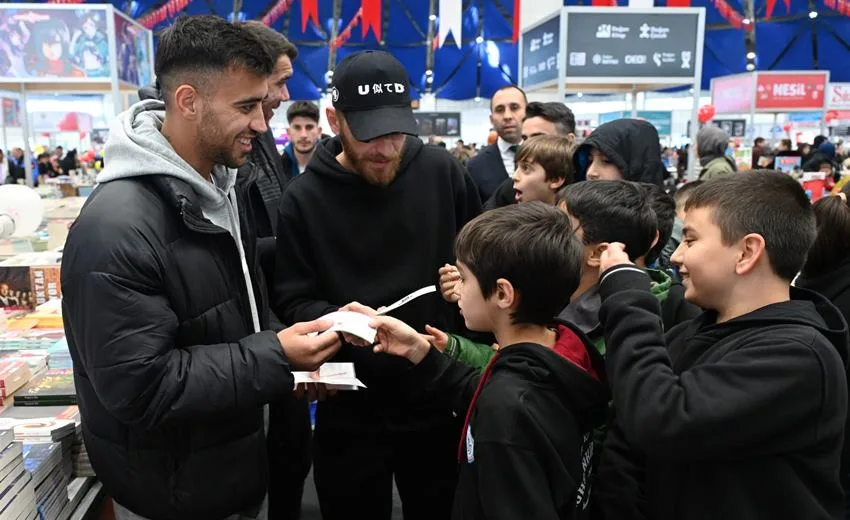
column 53, row 43
column 133, row 52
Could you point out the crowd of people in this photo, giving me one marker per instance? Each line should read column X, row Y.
column 596, row 349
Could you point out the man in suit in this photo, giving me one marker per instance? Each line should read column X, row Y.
column 495, row 163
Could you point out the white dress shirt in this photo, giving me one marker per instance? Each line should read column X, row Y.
column 508, row 155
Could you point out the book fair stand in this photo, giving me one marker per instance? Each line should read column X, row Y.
column 65, row 49
column 75, row 53
column 802, row 96
column 614, row 50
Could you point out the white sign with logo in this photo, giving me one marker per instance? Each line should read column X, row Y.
column 838, row 96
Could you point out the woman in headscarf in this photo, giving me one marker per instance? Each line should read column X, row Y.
column 711, row 149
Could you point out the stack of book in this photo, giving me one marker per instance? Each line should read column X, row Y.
column 35, row 358
column 82, row 464
column 76, row 491
column 44, row 462
column 13, row 375
column 54, row 388
column 17, row 490
column 60, row 355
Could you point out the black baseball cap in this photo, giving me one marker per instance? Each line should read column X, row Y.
column 372, row 90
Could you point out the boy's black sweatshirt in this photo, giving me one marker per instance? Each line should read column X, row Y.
column 528, row 450
column 742, row 419
column 341, row 239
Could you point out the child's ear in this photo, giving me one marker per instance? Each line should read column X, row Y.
column 596, row 255
column 752, row 250
column 505, row 294
column 556, row 184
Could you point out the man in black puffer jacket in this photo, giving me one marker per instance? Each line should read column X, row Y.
column 164, row 302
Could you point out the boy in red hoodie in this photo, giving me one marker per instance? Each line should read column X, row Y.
column 526, row 446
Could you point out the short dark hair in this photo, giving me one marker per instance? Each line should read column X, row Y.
column 508, row 87
column 558, row 114
column 664, row 208
column 553, row 153
column 832, row 244
column 276, row 44
column 684, row 191
column 612, row 211
column 758, row 140
column 302, row 109
column 531, row 245
column 769, row 203
column 203, row 46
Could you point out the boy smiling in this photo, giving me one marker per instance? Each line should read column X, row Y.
column 740, row 412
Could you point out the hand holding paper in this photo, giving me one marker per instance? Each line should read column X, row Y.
column 305, row 348
column 399, row 339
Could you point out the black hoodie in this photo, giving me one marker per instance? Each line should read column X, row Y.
column 528, row 449
column 631, row 144
column 742, row 419
column 341, row 239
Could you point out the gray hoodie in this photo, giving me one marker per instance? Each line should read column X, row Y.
column 137, row 148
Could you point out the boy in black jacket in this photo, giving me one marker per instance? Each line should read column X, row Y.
column 526, row 447
column 740, row 412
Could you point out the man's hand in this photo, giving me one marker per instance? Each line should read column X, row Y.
column 313, row 391
column 436, row 337
column 614, row 254
column 399, row 339
column 449, row 279
column 306, row 352
column 362, row 309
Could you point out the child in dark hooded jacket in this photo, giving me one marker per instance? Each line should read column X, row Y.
column 625, row 149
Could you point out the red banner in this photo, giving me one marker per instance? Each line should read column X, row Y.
column 604, row 3
column 371, row 17
column 678, row 3
column 309, row 12
column 516, row 21
column 792, row 91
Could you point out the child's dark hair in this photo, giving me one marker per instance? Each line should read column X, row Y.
column 553, row 153
column 684, row 191
column 612, row 211
column 769, row 203
column 531, row 245
column 832, row 244
column 664, row 208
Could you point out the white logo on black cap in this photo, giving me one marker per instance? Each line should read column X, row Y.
column 335, row 94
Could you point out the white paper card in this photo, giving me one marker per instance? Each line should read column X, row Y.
column 352, row 323
column 337, row 376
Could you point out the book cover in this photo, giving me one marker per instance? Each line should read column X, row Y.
column 55, row 387
column 13, row 375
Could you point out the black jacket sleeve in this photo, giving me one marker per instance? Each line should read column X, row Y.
column 125, row 334
column 753, row 391
column 438, row 378
column 296, row 281
column 467, row 201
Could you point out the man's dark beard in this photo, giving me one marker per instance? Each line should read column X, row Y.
column 359, row 166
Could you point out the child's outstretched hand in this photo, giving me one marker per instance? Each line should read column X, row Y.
column 449, row 278
column 399, row 339
column 614, row 254
column 438, row 338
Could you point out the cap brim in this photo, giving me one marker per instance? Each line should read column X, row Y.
column 366, row 125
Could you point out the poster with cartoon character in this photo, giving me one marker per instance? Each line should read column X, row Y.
column 53, row 43
column 132, row 51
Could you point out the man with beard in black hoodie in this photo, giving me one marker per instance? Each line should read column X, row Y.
column 627, row 149
column 739, row 413
column 370, row 220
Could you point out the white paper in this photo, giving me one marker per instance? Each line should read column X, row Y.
column 407, row 299
column 337, row 376
column 352, row 323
